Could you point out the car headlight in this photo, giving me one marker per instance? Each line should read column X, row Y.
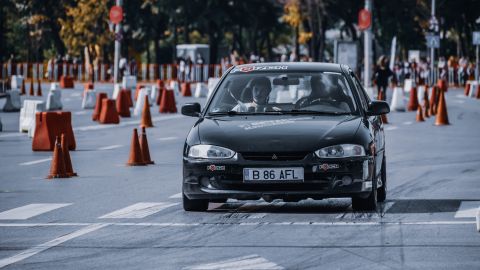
column 210, row 152
column 341, row 150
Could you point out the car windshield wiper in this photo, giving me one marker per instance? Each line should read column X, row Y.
column 297, row 111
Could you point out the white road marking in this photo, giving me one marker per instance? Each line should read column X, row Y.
column 467, row 209
column 167, row 138
column 110, row 147
column 253, row 261
column 80, row 112
column 76, row 94
column 55, row 242
column 391, row 128
column 67, row 99
column 139, row 210
column 459, row 101
column 31, row 210
column 176, row 196
column 8, row 135
column 126, row 123
column 34, row 162
column 407, row 123
column 307, row 223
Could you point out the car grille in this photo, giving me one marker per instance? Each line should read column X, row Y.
column 274, row 156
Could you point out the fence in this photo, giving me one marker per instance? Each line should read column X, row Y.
column 104, row 73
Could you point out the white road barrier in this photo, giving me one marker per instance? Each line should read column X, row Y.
column 16, row 82
column 212, row 83
column 175, row 86
column 54, row 99
column 89, row 99
column 201, row 90
column 116, row 90
column 27, row 115
column 477, row 217
column 13, row 103
column 407, row 85
column 153, row 93
column 420, row 93
column 398, row 100
column 473, row 89
column 129, row 82
column 141, row 100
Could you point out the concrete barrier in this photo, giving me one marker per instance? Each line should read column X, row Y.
column 27, row 114
column 89, row 99
column 141, row 100
column 116, row 90
column 49, row 125
column 16, row 82
column 201, row 90
column 13, row 103
column 129, row 82
column 212, row 83
column 54, row 99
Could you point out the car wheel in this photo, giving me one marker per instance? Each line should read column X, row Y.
column 194, row 205
column 366, row 204
column 382, row 191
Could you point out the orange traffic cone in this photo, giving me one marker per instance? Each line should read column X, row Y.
column 433, row 101
column 146, row 116
column 144, row 147
column 22, row 88
column 383, row 116
column 426, row 109
column 186, row 91
column 159, row 97
column 478, row 91
column 467, row 89
column 420, row 114
column 66, row 156
column 57, row 169
column 122, row 104
column 31, row 91
column 135, row 158
column 413, row 102
column 39, row 88
column 98, row 105
column 128, row 95
column 441, row 118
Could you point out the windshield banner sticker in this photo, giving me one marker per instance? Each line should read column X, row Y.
column 257, row 68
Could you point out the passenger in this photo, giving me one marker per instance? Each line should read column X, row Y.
column 322, row 93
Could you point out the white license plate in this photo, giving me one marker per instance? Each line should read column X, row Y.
column 273, row 174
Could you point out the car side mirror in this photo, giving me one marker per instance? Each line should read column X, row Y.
column 378, row 107
column 191, row 109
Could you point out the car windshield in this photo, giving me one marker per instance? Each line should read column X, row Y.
column 280, row 92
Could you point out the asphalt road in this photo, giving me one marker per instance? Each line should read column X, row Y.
column 118, row 217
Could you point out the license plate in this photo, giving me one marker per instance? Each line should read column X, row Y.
column 273, row 174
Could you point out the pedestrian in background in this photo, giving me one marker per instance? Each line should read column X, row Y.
column 381, row 75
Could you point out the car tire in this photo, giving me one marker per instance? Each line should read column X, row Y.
column 382, row 191
column 194, row 205
column 366, row 204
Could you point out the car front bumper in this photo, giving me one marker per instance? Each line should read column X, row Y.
column 327, row 178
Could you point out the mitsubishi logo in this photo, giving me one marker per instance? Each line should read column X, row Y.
column 274, row 156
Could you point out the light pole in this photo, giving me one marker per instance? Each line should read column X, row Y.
column 118, row 30
column 433, row 25
column 368, row 48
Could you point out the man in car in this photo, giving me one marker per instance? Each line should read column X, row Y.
column 323, row 93
column 260, row 90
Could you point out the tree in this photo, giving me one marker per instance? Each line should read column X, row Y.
column 86, row 26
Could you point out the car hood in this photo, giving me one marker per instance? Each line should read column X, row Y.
column 278, row 133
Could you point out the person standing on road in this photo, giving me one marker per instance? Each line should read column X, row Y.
column 382, row 74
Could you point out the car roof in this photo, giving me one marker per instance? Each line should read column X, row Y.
column 296, row 66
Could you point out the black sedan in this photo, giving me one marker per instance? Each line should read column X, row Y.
column 287, row 131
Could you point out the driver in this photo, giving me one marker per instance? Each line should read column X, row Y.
column 319, row 92
column 261, row 89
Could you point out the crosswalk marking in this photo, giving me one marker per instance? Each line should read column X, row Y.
column 35, row 162
column 468, row 209
column 139, row 210
column 55, row 242
column 253, row 261
column 30, row 210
